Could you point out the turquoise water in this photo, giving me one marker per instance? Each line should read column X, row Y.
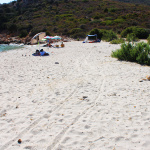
column 6, row 47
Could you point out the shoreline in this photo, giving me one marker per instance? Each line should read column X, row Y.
column 11, row 46
column 87, row 100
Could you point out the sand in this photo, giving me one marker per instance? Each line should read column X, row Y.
column 78, row 98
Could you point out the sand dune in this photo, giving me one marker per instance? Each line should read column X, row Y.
column 78, row 98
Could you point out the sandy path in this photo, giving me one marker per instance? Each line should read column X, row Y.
column 42, row 102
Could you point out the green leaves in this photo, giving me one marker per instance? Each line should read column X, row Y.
column 135, row 53
column 148, row 39
column 138, row 32
column 64, row 15
column 107, row 35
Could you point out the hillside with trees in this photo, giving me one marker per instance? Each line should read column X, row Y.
column 143, row 2
column 72, row 18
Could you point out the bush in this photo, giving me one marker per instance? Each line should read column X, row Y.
column 135, row 53
column 119, row 20
column 96, row 21
column 139, row 32
column 108, row 22
column 108, row 35
column 148, row 39
column 117, row 41
column 96, row 31
column 82, row 26
column 144, row 55
column 132, row 37
column 78, row 35
column 75, row 30
column 34, row 31
column 113, row 9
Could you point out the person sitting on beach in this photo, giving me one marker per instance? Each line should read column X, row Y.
column 42, row 53
column 49, row 45
column 62, row 44
column 37, row 53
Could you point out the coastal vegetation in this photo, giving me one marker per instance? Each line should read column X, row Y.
column 136, row 32
column 117, row 41
column 106, row 35
column 148, row 40
column 139, row 52
column 75, row 19
column 143, row 2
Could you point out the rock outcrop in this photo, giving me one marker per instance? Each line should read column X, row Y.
column 6, row 39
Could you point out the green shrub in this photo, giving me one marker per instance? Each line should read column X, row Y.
column 108, row 35
column 109, row 22
column 75, row 30
column 103, row 23
column 109, row 18
column 135, row 53
column 96, row 21
column 96, row 31
column 132, row 37
column 34, row 31
column 123, row 53
column 113, row 9
column 78, row 35
column 37, row 16
column 139, row 32
column 83, row 20
column 148, row 39
column 82, row 26
column 117, row 41
column 143, row 57
column 96, row 17
column 106, row 10
column 119, row 20
column 64, row 16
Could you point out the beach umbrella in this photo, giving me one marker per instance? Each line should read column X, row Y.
column 56, row 38
column 38, row 37
column 48, row 37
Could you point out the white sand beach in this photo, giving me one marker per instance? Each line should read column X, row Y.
column 78, row 98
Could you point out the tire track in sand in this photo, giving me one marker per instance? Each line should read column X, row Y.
column 6, row 145
column 57, row 140
column 59, row 137
column 57, row 107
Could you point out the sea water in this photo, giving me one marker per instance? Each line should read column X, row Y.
column 6, row 47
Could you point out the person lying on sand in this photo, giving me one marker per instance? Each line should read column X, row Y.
column 37, row 53
column 40, row 53
column 43, row 53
